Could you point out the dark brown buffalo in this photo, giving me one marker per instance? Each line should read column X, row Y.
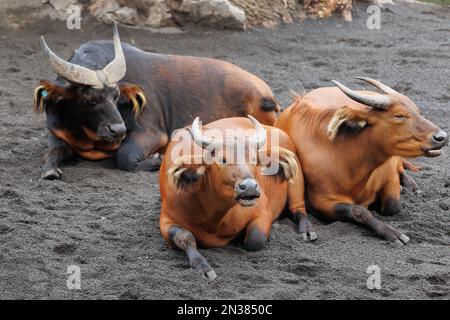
column 115, row 100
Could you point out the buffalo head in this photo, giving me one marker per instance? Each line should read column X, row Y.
column 233, row 172
column 392, row 120
column 89, row 96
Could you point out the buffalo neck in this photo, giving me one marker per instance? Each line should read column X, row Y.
column 213, row 204
column 366, row 155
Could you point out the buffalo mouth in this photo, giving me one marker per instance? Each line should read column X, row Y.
column 433, row 152
column 103, row 137
column 247, row 201
column 112, row 139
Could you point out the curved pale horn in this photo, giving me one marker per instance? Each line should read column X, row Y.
column 375, row 101
column 378, row 85
column 198, row 136
column 259, row 139
column 69, row 71
column 116, row 69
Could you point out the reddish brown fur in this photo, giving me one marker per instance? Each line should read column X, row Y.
column 408, row 165
column 233, row 80
column 88, row 148
column 363, row 164
column 207, row 209
column 133, row 92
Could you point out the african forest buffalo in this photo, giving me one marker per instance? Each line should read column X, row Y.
column 112, row 99
column 210, row 203
column 350, row 145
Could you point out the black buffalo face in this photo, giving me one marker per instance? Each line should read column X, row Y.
column 93, row 111
column 99, row 115
column 90, row 110
column 86, row 98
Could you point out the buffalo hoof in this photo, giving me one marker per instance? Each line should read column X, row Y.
column 152, row 163
column 400, row 241
column 274, row 228
column 306, row 230
column 408, row 183
column 396, row 238
column 416, row 191
column 201, row 267
column 52, row 174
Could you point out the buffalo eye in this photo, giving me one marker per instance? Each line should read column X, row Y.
column 220, row 160
column 115, row 95
column 400, row 116
column 94, row 101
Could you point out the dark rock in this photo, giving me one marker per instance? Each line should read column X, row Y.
column 443, row 206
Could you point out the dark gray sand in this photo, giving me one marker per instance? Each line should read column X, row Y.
column 106, row 221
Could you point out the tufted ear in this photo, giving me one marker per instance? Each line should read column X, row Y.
column 135, row 96
column 280, row 163
column 346, row 118
column 184, row 172
column 46, row 90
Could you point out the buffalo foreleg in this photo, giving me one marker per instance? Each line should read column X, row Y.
column 58, row 151
column 138, row 152
column 390, row 197
column 408, row 183
column 257, row 233
column 305, row 227
column 361, row 215
column 405, row 180
column 296, row 201
column 185, row 240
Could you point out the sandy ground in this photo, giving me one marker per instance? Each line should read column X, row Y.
column 106, row 221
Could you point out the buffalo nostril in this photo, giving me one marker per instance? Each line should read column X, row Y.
column 440, row 136
column 117, row 129
column 248, row 187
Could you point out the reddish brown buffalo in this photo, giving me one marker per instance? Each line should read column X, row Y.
column 212, row 203
column 350, row 145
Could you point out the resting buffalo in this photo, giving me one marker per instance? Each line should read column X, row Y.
column 350, row 145
column 210, row 203
column 115, row 100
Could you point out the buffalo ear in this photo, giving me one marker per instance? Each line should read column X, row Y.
column 135, row 96
column 45, row 91
column 184, row 173
column 281, row 163
column 346, row 118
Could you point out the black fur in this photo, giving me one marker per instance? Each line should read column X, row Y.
column 188, row 178
column 392, row 206
column 268, row 105
column 256, row 240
